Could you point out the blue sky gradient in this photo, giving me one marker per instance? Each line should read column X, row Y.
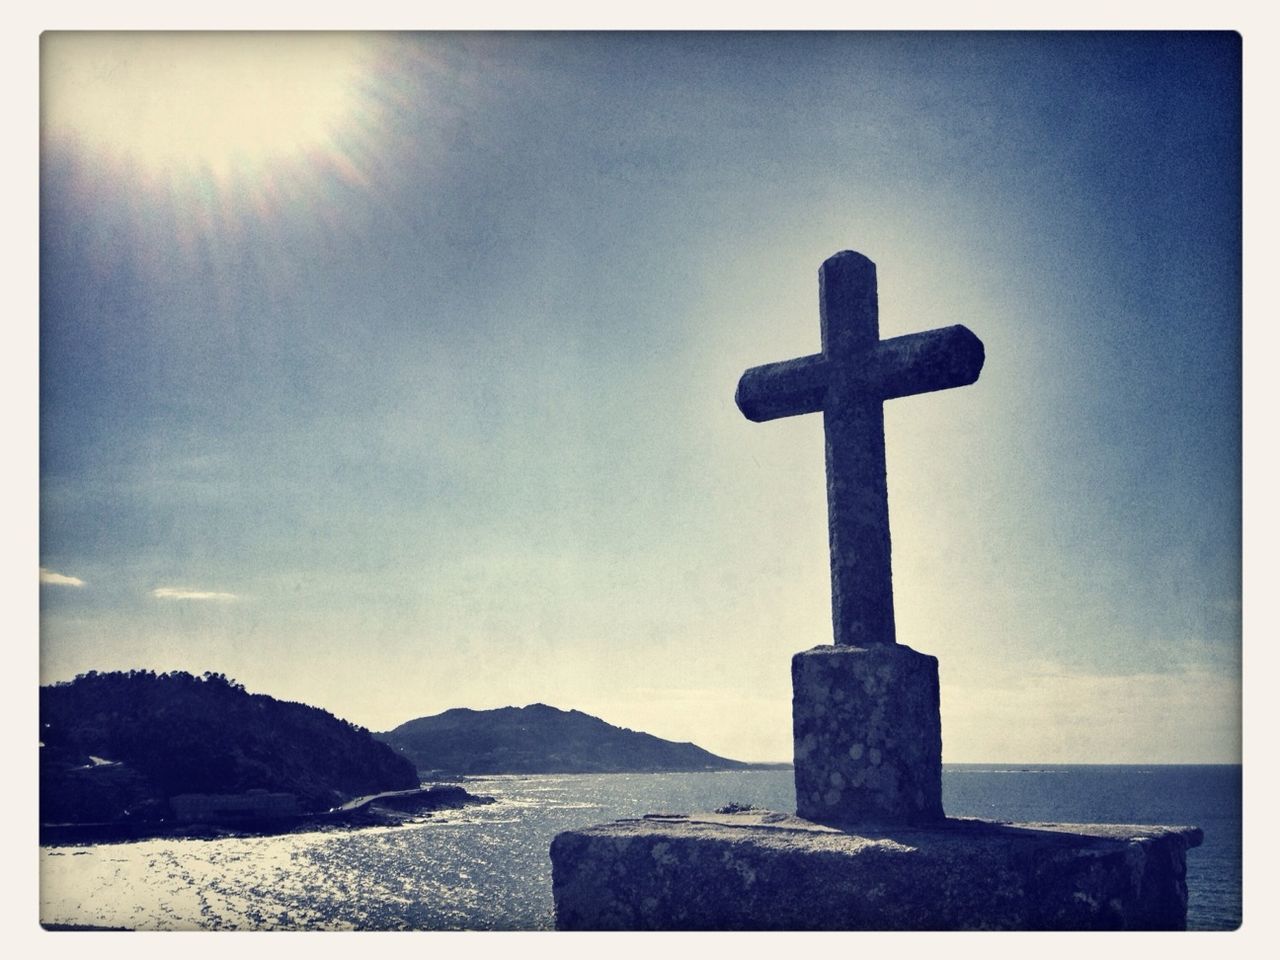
column 442, row 408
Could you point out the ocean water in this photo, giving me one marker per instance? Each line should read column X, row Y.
column 486, row 868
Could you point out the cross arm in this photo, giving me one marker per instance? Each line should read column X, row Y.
column 785, row 389
column 923, row 362
column 899, row 367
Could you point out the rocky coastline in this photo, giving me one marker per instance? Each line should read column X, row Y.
column 379, row 810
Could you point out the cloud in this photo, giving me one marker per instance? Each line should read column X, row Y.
column 59, row 579
column 178, row 593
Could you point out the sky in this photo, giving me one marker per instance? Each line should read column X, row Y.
column 394, row 373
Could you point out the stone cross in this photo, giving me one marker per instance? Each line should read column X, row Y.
column 849, row 381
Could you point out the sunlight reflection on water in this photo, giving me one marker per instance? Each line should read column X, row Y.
column 487, row 867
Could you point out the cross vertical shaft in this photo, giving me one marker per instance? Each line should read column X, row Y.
column 857, row 490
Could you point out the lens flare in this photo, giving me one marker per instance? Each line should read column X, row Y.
column 217, row 105
column 172, row 150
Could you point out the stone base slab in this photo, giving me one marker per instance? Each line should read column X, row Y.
column 758, row 870
column 868, row 735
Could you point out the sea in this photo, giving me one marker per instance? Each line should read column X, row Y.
column 487, row 868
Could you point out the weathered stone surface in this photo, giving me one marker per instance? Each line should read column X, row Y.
column 770, row 871
column 849, row 381
column 868, row 735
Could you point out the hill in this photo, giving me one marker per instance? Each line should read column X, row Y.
column 541, row 739
column 118, row 746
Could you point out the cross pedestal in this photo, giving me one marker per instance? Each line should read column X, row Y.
column 868, row 735
column 757, row 870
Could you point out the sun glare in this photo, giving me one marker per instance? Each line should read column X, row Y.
column 171, row 150
column 213, row 105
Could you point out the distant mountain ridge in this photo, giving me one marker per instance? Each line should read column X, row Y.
column 542, row 739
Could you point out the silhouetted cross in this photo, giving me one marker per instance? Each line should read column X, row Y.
column 849, row 381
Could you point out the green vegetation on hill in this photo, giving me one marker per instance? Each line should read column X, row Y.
column 541, row 739
column 119, row 745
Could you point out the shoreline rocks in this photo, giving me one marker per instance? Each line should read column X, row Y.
column 390, row 809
